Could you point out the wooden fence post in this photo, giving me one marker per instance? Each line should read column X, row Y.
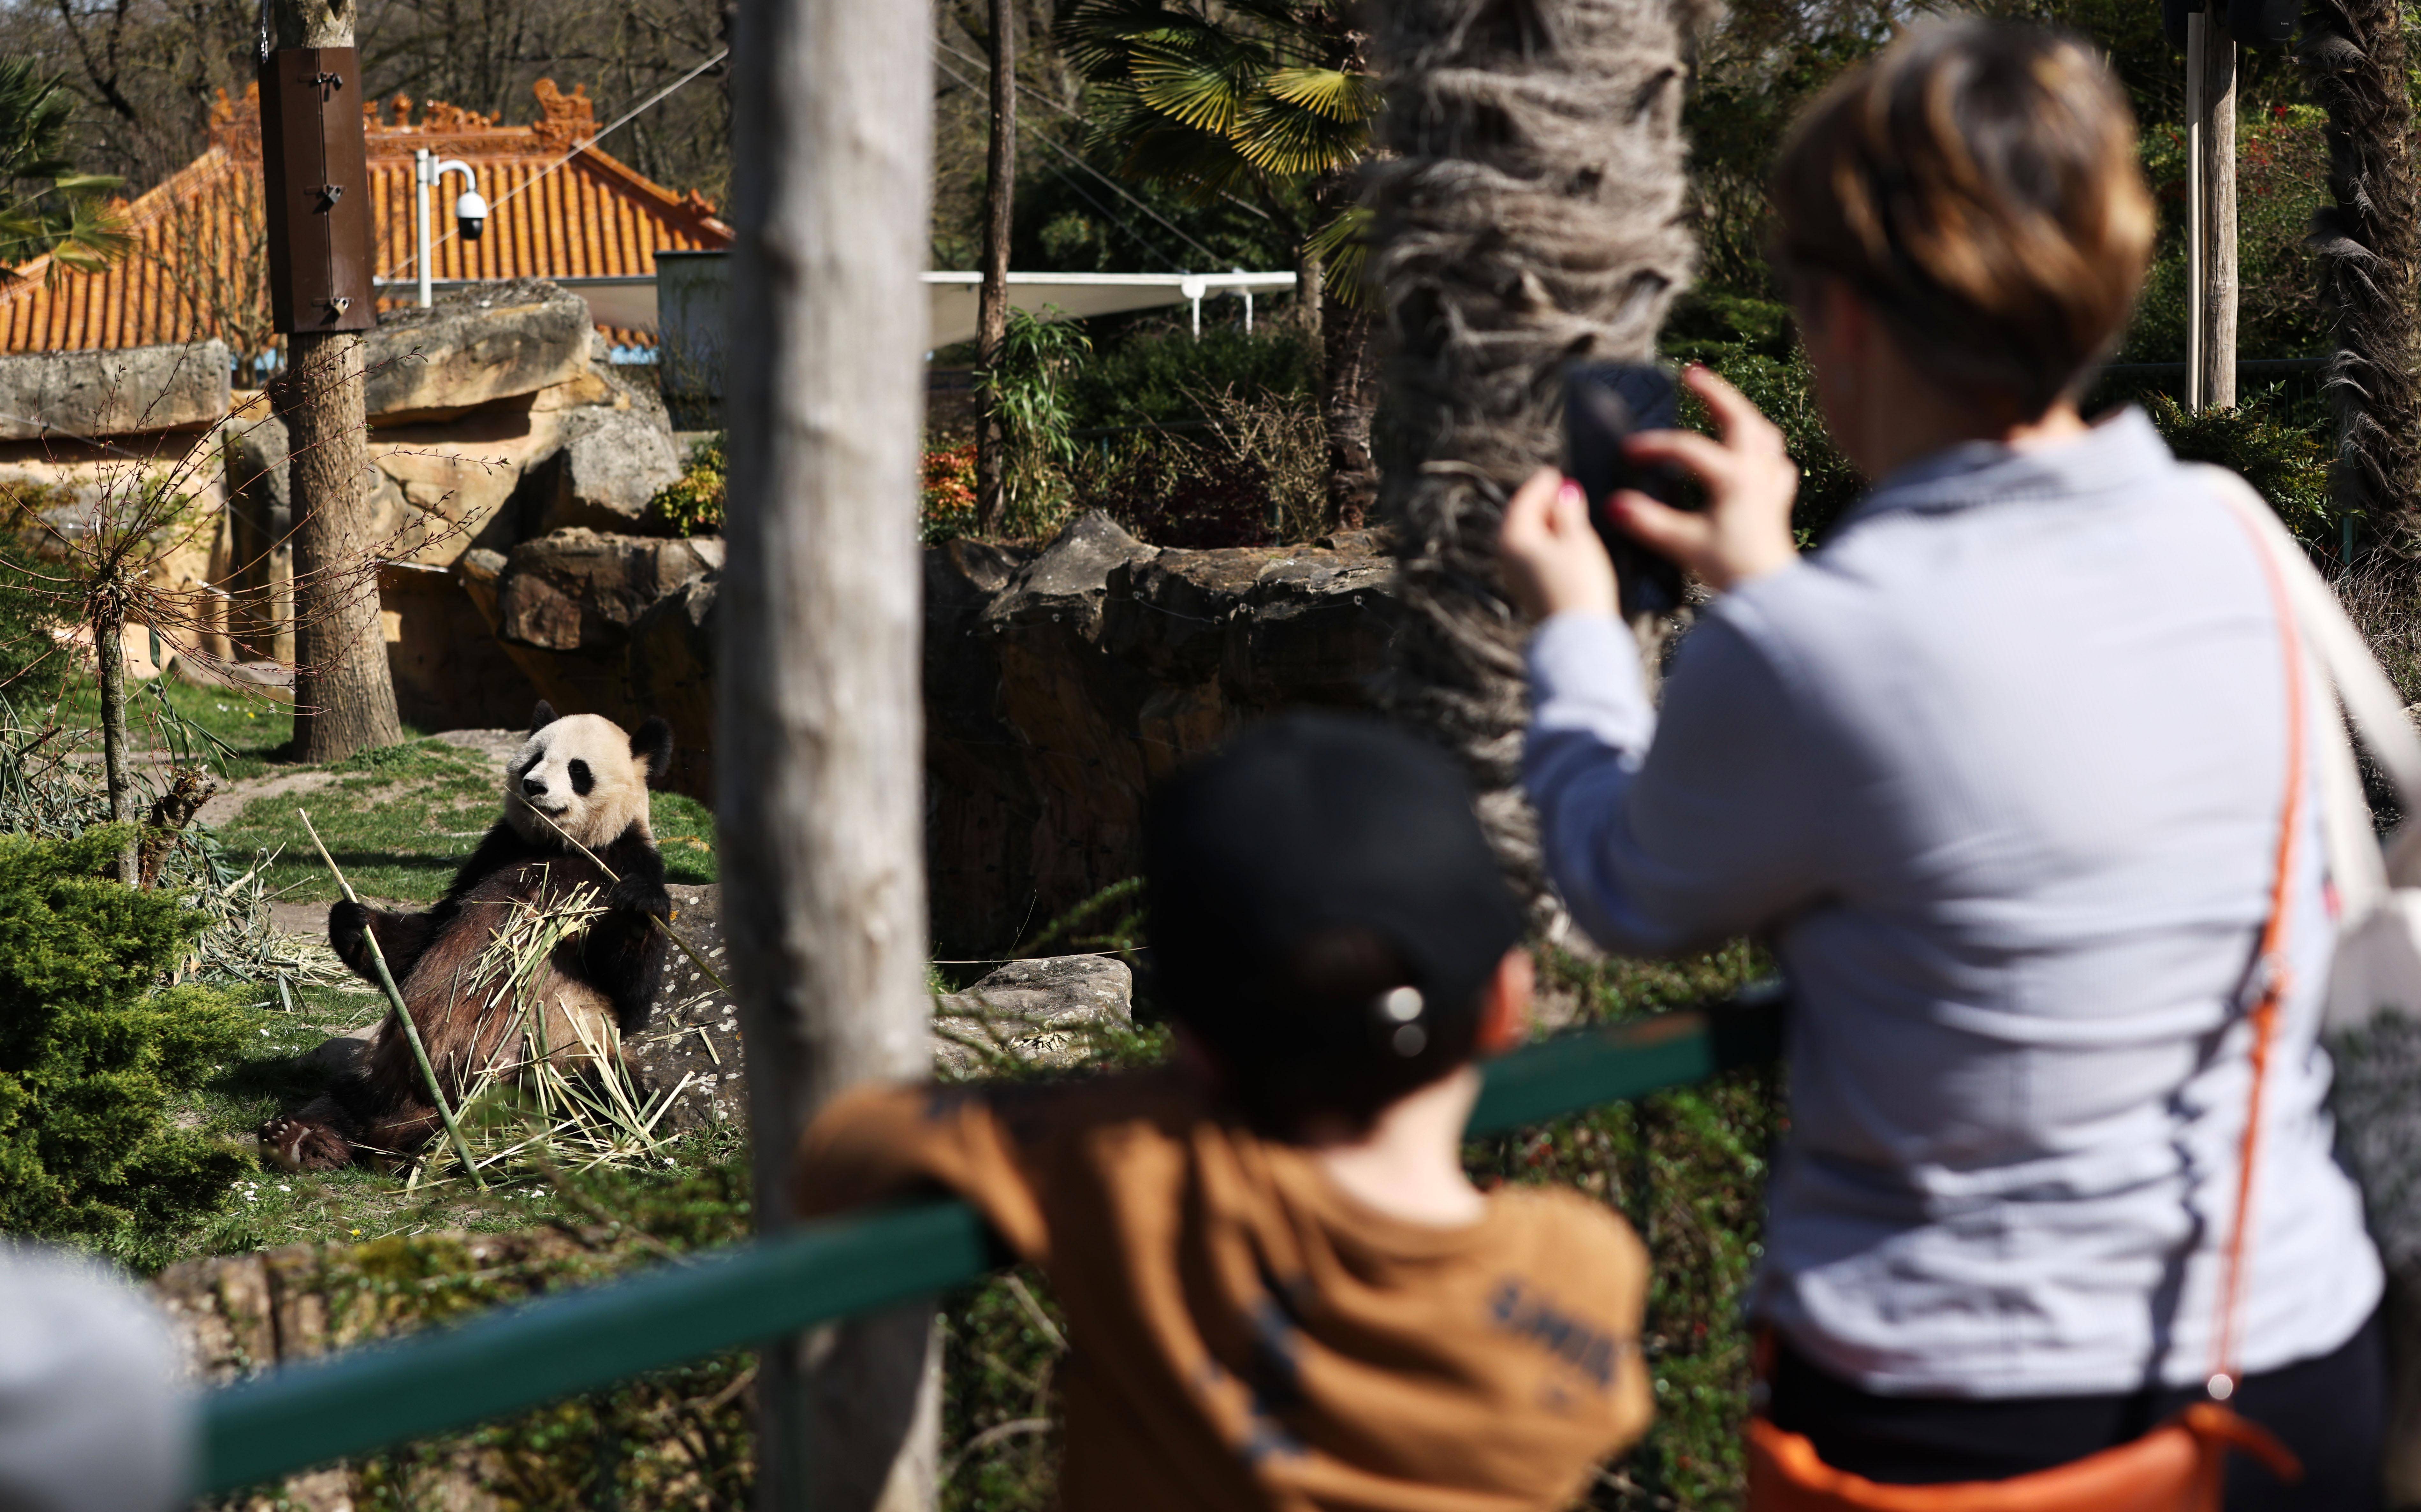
column 2210, row 224
column 819, row 729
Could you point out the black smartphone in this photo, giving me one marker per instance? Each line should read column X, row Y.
column 1604, row 404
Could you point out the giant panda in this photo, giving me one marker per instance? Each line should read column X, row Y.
column 579, row 777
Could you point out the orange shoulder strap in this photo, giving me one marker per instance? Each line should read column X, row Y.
column 2271, row 977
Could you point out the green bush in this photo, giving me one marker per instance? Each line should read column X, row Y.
column 93, row 1048
column 2287, row 462
column 1157, row 377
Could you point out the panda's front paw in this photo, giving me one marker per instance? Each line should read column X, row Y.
column 349, row 923
column 640, row 895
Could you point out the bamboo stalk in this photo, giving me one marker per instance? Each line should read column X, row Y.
column 411, row 1029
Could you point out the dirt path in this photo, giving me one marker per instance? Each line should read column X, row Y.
column 225, row 805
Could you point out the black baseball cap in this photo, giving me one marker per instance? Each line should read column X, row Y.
column 1313, row 826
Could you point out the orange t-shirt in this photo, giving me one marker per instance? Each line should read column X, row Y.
column 1244, row 1335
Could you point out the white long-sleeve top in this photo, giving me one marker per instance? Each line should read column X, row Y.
column 1999, row 771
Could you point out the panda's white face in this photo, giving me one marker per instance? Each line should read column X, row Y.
column 580, row 772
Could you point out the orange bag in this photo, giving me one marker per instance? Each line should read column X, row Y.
column 2177, row 1467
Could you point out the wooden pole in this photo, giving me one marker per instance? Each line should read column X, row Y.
column 992, row 298
column 2210, row 228
column 344, row 692
column 819, row 724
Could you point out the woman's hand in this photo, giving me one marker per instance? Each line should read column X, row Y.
column 1553, row 563
column 1548, row 554
column 1750, row 482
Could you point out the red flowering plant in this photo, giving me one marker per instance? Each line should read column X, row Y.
column 948, row 508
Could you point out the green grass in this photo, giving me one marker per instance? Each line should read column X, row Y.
column 400, row 820
column 252, row 730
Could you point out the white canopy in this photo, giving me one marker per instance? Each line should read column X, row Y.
column 952, row 296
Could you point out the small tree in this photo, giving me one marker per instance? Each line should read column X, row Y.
column 94, row 561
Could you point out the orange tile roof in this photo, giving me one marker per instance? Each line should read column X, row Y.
column 199, row 264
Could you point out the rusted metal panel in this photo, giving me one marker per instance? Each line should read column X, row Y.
column 318, row 199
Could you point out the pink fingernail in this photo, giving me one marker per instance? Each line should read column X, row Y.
column 1570, row 491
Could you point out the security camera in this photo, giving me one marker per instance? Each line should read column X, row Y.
column 471, row 214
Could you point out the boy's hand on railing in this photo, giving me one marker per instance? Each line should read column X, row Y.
column 1750, row 482
column 1548, row 554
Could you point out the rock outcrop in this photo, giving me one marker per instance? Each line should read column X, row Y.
column 1057, row 688
column 117, row 393
column 487, row 342
column 610, row 466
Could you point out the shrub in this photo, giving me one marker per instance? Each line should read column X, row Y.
column 2288, row 464
column 1156, row 376
column 693, row 503
column 93, row 1048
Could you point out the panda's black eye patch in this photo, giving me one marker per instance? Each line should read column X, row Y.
column 582, row 778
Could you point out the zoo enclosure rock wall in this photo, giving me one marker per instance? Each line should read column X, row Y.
column 496, row 419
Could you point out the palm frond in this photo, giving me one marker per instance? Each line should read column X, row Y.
column 1198, row 81
column 1202, row 164
column 1292, row 141
column 1343, row 247
column 1096, row 37
column 1337, row 94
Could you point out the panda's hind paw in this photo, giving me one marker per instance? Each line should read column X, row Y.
column 298, row 1145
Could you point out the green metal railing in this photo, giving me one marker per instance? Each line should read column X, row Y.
column 537, row 1352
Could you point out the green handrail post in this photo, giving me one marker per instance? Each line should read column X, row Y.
column 542, row 1351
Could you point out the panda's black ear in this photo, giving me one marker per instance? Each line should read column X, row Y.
column 542, row 716
column 652, row 743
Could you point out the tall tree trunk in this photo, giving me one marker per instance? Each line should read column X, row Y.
column 2366, row 242
column 344, row 694
column 819, row 729
column 991, row 300
column 1532, row 213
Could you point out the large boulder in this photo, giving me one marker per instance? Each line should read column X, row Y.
column 1054, row 1012
column 578, row 590
column 117, row 393
column 1058, row 688
column 478, row 344
column 611, row 464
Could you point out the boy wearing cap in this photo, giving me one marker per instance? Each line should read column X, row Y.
column 1282, row 1289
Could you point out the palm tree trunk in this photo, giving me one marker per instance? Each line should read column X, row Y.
column 1532, row 213
column 2366, row 245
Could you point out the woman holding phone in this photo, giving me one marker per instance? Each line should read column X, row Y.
column 2001, row 771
